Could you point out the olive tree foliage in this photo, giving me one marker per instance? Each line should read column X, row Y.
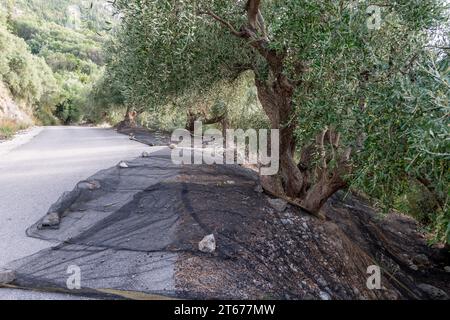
column 350, row 101
column 425, row 99
column 151, row 60
column 224, row 105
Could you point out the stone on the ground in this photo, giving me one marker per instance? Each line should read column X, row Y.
column 287, row 221
column 50, row 220
column 412, row 266
column 421, row 260
column 145, row 154
column 172, row 146
column 89, row 185
column 259, row 188
column 278, row 204
column 208, row 244
column 447, row 269
column 6, row 276
column 433, row 292
column 324, row 296
column 123, row 164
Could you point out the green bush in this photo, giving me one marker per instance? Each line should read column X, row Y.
column 48, row 60
column 68, row 112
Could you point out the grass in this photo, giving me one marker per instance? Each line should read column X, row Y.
column 9, row 127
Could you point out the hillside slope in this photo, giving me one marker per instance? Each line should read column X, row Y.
column 50, row 54
column 10, row 109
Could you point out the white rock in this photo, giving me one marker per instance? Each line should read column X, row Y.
column 324, row 296
column 51, row 219
column 89, row 185
column 123, row 164
column 172, row 146
column 278, row 204
column 208, row 244
column 447, row 269
column 413, row 267
column 259, row 188
column 7, row 276
column 322, row 281
column 145, row 154
column 287, row 221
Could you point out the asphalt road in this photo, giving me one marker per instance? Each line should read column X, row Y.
column 36, row 169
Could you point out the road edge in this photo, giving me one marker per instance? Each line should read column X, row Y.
column 19, row 140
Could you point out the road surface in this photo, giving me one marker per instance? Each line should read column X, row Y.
column 33, row 176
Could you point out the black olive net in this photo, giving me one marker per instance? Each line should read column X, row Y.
column 134, row 231
column 126, row 233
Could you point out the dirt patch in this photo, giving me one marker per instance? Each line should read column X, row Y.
column 265, row 254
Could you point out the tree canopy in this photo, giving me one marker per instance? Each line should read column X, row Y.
column 361, row 100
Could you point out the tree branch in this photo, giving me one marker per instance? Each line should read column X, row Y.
column 225, row 23
column 255, row 31
column 252, row 8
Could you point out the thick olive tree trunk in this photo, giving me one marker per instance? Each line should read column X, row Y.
column 309, row 185
column 190, row 121
column 305, row 184
column 276, row 99
column 129, row 120
column 320, row 192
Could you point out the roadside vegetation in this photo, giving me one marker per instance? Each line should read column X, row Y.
column 9, row 127
column 51, row 54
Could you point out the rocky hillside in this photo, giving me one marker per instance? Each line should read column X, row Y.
column 11, row 109
column 50, row 54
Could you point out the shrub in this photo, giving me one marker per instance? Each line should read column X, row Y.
column 9, row 127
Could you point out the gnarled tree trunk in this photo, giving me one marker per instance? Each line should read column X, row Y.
column 305, row 184
column 129, row 120
column 190, row 121
column 276, row 99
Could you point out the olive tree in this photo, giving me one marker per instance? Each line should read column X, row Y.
column 333, row 76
